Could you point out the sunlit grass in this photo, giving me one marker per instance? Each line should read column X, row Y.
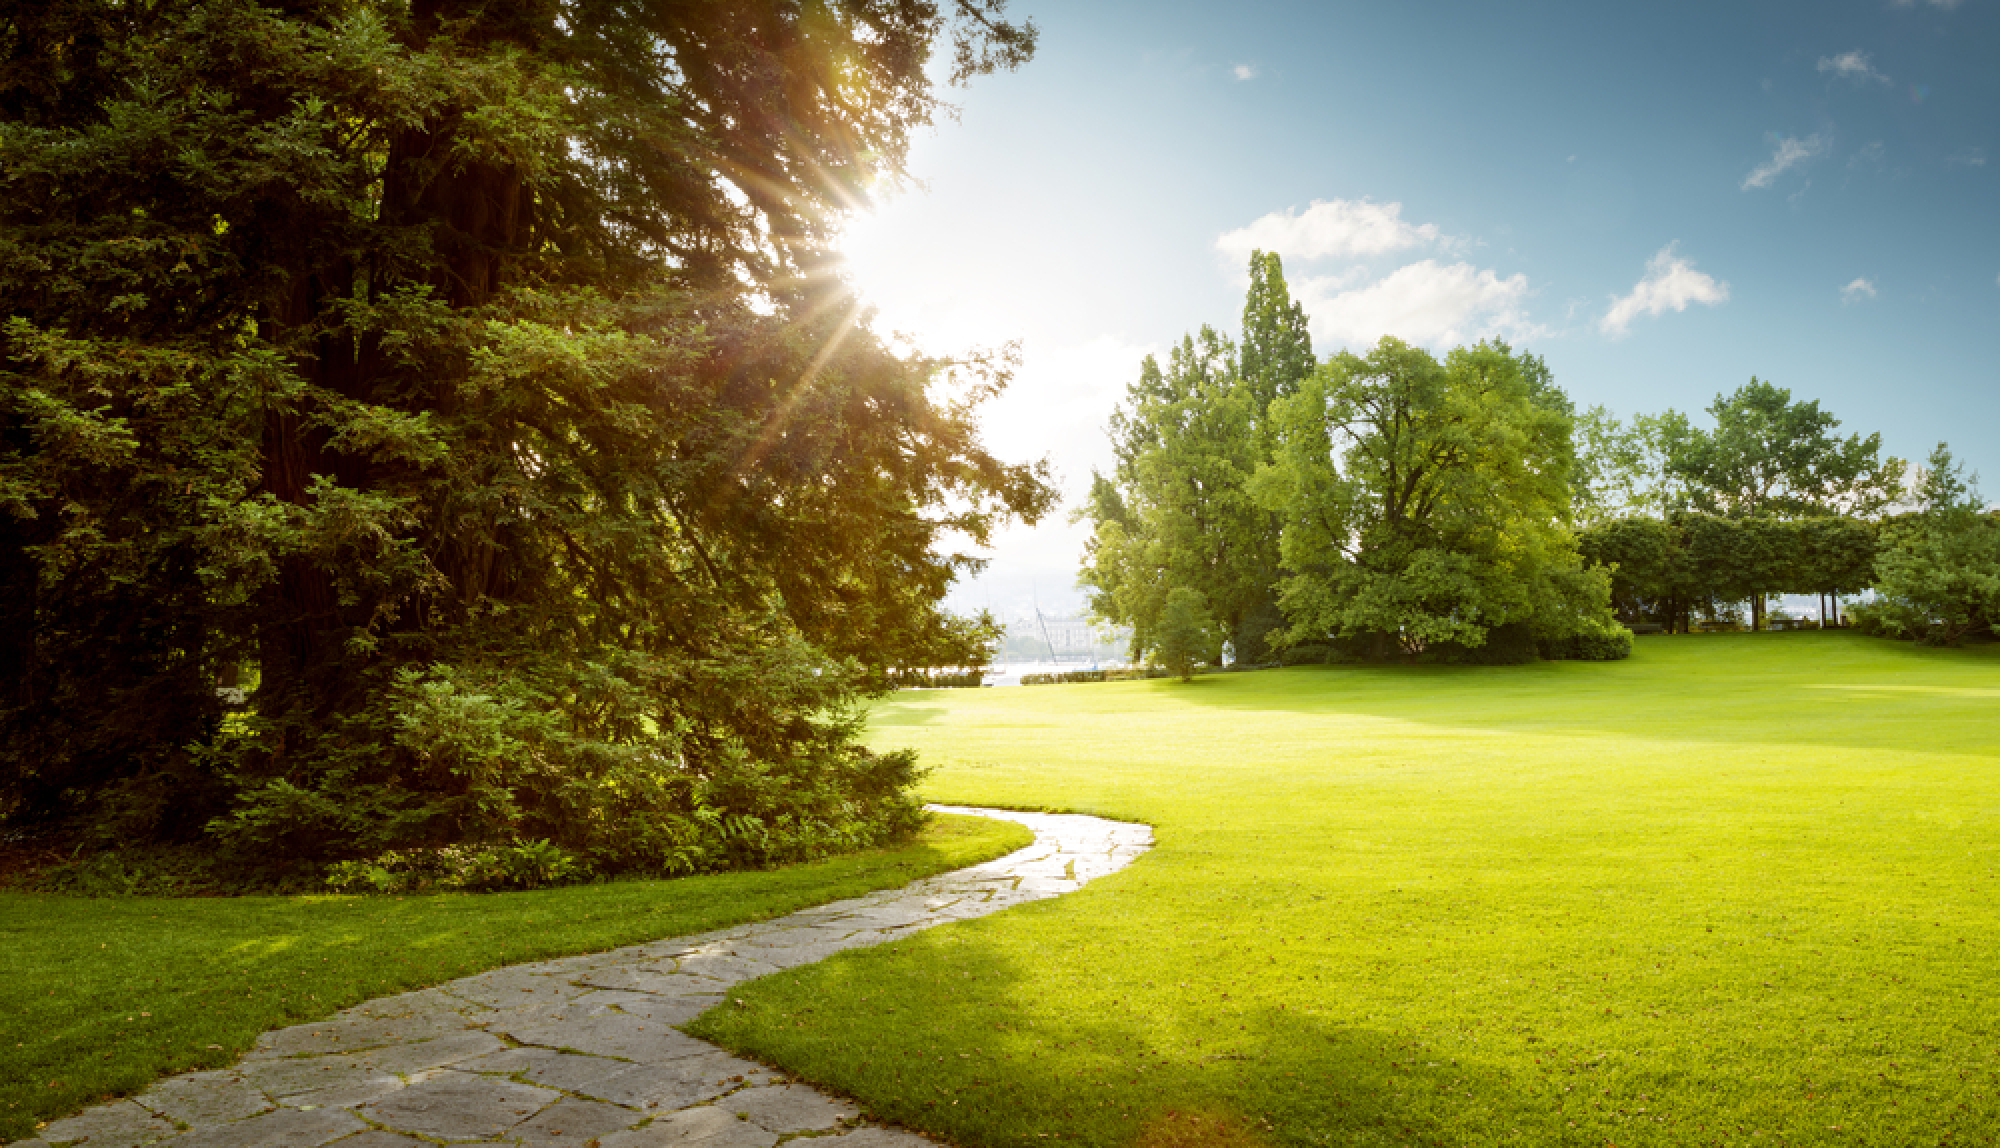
column 101, row 997
column 1739, row 889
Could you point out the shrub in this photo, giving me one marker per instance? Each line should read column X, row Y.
column 1610, row 644
column 1185, row 632
column 1512, row 644
column 1135, row 674
column 461, row 868
column 1310, row 654
column 1066, row 677
column 1875, row 620
column 937, row 679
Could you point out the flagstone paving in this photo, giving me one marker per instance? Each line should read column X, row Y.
column 581, row 1050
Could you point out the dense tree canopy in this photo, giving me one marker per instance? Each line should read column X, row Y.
column 1672, row 569
column 1940, row 566
column 1771, row 456
column 466, row 381
column 1426, row 503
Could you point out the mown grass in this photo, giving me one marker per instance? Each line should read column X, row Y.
column 101, row 997
column 1740, row 889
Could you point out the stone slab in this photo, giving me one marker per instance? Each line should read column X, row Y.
column 459, row 1106
column 570, row 1122
column 788, row 1108
column 609, row 1034
column 203, row 1098
column 121, row 1124
column 285, row 1128
column 706, row 1127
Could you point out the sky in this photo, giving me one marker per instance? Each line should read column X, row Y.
column 1661, row 200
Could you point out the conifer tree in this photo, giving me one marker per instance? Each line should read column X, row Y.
column 469, row 383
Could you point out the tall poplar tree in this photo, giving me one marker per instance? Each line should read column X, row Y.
column 466, row 381
column 1177, row 513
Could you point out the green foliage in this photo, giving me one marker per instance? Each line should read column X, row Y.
column 1424, row 503
column 1939, row 575
column 469, row 377
column 1509, row 644
column 1186, row 634
column 904, row 679
column 1306, row 654
column 1667, row 570
column 1178, row 509
column 1075, row 677
column 1771, row 456
column 458, row 868
column 1605, row 643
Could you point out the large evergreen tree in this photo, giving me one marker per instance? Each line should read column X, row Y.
column 468, row 381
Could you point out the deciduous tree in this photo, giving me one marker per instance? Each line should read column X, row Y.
column 1427, row 503
column 1939, row 576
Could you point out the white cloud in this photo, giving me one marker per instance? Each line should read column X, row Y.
column 1858, row 290
column 1427, row 303
column 1330, row 228
column 1851, row 66
column 1968, row 156
column 1670, row 284
column 1790, row 153
column 1244, row 71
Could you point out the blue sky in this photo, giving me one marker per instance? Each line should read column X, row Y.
column 1662, row 200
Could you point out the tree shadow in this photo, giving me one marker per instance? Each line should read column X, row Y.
column 937, row 1033
column 1833, row 689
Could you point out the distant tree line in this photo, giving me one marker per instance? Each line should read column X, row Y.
column 1398, row 505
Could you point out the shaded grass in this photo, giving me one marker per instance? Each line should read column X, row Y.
column 1740, row 889
column 101, row 997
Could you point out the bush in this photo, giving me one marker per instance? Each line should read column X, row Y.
column 1512, row 644
column 1066, row 677
column 1135, row 674
column 461, row 868
column 1186, row 632
column 1310, row 654
column 1612, row 644
column 937, row 679
column 1875, row 620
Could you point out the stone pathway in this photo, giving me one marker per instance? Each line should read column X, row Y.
column 584, row 1049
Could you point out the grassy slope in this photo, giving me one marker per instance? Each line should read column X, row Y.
column 101, row 997
column 1740, row 886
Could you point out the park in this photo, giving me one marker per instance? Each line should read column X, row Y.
column 509, row 513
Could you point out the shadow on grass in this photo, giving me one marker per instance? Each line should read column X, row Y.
column 1836, row 689
column 933, row 1033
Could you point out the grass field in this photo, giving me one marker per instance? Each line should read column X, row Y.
column 101, row 997
column 1740, row 889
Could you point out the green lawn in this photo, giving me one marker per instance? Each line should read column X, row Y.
column 101, row 997
column 1739, row 889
